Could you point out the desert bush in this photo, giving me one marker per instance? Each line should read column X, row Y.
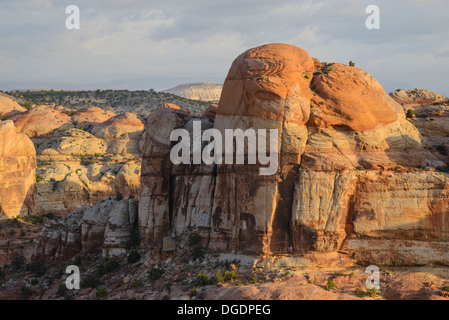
column 155, row 273
column 194, row 239
column 133, row 257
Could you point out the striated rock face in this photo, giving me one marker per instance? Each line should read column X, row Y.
column 105, row 227
column 82, row 156
column 17, row 172
column 429, row 113
column 91, row 116
column 122, row 133
column 204, row 91
column 347, row 180
column 42, row 121
column 156, row 184
column 416, row 96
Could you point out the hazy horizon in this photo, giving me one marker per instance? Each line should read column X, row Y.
column 137, row 44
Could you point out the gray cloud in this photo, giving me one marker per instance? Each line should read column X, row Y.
column 142, row 44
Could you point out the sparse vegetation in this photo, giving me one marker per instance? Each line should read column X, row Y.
column 133, row 257
column 26, row 292
column 102, row 293
column 194, row 239
column 155, row 273
column 410, row 113
column 351, row 64
column 330, row 285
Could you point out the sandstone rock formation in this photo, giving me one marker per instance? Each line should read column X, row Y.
column 348, row 175
column 416, row 96
column 105, row 227
column 429, row 112
column 91, row 116
column 204, row 91
column 17, row 172
column 122, row 133
column 8, row 107
column 42, row 121
column 82, row 156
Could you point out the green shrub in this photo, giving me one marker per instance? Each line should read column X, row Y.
column 18, row 262
column 202, row 279
column 102, row 293
column 155, row 273
column 133, row 257
column 134, row 241
column 197, row 253
column 26, row 292
column 34, row 281
column 91, row 281
column 410, row 113
column 446, row 288
column 38, row 268
column 193, row 292
column 62, row 289
column 108, row 267
column 330, row 285
column 351, row 64
column 194, row 239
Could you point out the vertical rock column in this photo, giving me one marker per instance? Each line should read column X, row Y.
column 266, row 88
column 18, row 190
column 154, row 204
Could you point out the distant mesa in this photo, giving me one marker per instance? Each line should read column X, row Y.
column 204, row 91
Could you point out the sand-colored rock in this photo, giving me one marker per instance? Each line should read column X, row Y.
column 42, row 121
column 105, row 227
column 204, row 91
column 9, row 108
column 122, row 133
column 417, row 96
column 17, row 172
column 90, row 116
column 154, row 206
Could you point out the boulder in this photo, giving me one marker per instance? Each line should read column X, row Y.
column 18, row 194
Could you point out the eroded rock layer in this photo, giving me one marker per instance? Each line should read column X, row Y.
column 17, row 173
column 349, row 175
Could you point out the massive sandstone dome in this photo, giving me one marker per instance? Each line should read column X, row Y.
column 347, row 180
column 17, row 173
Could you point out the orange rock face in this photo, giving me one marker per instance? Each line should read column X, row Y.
column 9, row 107
column 348, row 174
column 91, row 116
column 17, row 173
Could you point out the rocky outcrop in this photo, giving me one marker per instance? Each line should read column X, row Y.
column 122, row 133
column 154, row 222
column 91, row 116
column 82, row 156
column 348, row 174
column 105, row 227
column 204, row 91
column 9, row 107
column 42, row 121
column 429, row 113
column 416, row 96
column 17, row 173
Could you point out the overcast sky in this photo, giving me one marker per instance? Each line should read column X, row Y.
column 142, row 44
